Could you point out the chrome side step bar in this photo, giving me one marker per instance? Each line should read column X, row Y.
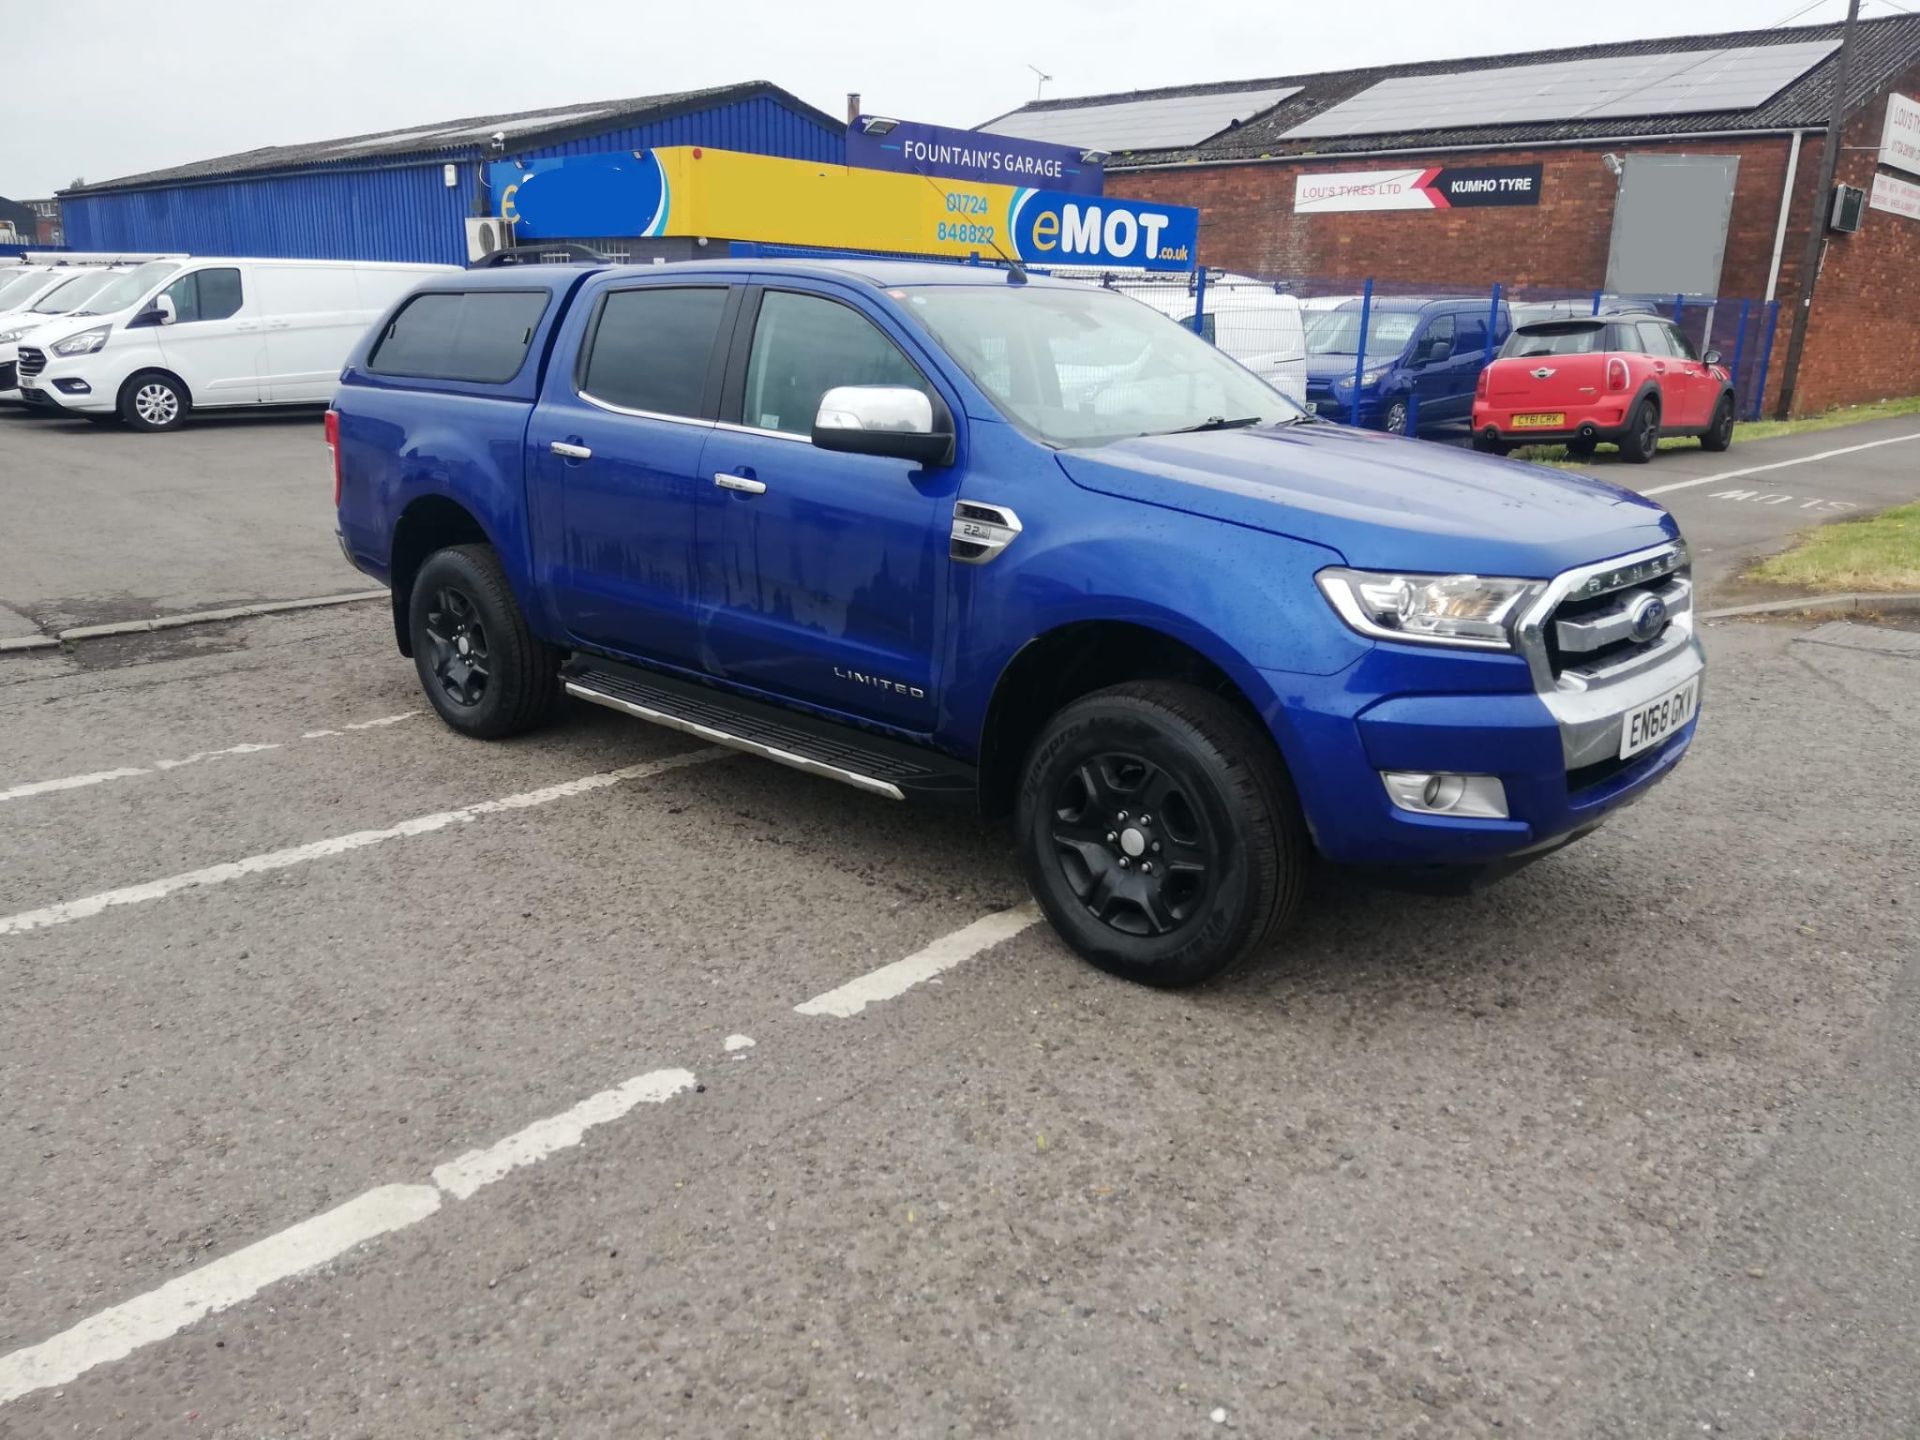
column 736, row 742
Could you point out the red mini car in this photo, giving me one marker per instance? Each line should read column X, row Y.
column 1627, row 379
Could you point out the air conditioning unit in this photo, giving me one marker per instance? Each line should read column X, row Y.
column 1848, row 202
column 487, row 235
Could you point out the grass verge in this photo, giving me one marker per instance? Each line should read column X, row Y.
column 1756, row 429
column 1881, row 552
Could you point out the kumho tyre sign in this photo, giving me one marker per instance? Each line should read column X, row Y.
column 1438, row 187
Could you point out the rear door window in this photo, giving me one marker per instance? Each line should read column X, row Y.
column 480, row 336
column 1654, row 338
column 651, row 348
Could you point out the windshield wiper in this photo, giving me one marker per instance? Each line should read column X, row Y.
column 1215, row 422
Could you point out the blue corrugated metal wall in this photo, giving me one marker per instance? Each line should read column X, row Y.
column 400, row 210
column 400, row 213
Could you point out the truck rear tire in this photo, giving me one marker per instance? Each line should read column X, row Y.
column 1160, row 833
column 483, row 670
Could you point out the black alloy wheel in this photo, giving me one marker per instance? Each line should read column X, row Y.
column 1133, row 846
column 1720, row 433
column 456, row 646
column 1160, row 832
column 484, row 671
column 1643, row 434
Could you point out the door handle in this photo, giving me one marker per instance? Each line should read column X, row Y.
column 248, row 325
column 570, row 451
column 746, row 485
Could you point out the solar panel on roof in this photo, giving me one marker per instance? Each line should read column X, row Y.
column 1686, row 83
column 1141, row 124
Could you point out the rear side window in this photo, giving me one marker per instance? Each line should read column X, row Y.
column 651, row 348
column 1555, row 339
column 478, row 335
column 205, row 295
column 1654, row 339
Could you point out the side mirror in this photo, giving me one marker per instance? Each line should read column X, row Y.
column 891, row 420
column 149, row 314
column 1712, row 357
column 164, row 303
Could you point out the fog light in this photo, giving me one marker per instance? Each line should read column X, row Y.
column 74, row 387
column 1424, row 792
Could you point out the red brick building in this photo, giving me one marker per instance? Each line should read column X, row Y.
column 1248, row 179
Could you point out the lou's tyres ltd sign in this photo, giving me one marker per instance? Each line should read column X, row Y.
column 1438, row 187
column 689, row 190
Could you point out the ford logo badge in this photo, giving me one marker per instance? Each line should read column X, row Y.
column 1647, row 618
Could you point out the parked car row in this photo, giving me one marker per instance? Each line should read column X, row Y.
column 149, row 343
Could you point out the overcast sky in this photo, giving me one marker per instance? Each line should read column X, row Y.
column 102, row 88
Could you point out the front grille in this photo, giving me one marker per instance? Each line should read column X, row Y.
column 31, row 362
column 1592, row 634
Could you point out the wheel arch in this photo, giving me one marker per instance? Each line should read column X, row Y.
column 429, row 523
column 1074, row 659
column 172, row 376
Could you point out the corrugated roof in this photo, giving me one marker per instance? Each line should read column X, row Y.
column 1883, row 48
column 524, row 130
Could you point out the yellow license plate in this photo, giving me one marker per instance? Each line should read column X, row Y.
column 1543, row 420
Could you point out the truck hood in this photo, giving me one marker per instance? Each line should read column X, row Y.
column 1382, row 501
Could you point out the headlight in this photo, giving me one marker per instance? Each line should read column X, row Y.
column 1475, row 611
column 85, row 343
column 7, row 337
column 1374, row 377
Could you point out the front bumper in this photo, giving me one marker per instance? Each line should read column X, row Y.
column 1553, row 742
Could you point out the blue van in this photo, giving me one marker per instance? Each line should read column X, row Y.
column 1423, row 356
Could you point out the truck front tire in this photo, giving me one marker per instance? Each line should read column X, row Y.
column 483, row 670
column 1159, row 832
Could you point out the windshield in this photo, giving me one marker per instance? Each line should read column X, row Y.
column 1555, row 340
column 19, row 289
column 1337, row 332
column 1088, row 367
column 124, row 289
column 67, row 295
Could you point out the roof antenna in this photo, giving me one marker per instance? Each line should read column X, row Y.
column 1040, row 81
column 1016, row 274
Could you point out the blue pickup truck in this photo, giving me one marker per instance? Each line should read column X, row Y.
column 956, row 534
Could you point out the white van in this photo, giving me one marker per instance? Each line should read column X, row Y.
column 1246, row 318
column 68, row 297
column 174, row 335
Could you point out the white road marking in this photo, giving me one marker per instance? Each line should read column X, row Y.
column 462, row 1176
column 1776, row 465
column 942, row 955
column 115, row 1333
column 70, row 910
column 127, row 772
